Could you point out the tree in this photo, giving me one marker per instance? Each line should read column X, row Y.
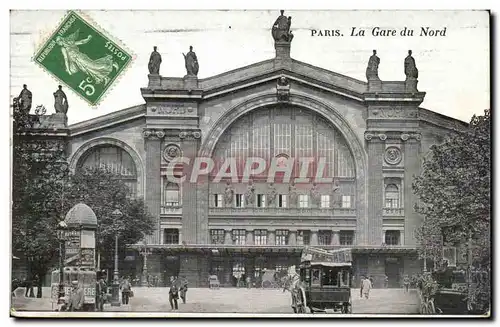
column 103, row 191
column 454, row 190
column 39, row 170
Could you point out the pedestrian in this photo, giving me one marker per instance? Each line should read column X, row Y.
column 361, row 287
column 386, row 281
column 183, row 289
column 101, row 292
column 406, row 283
column 249, row 282
column 28, row 283
column 173, row 295
column 366, row 287
column 77, row 297
column 126, row 289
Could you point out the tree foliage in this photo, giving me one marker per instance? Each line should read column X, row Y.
column 454, row 190
column 103, row 191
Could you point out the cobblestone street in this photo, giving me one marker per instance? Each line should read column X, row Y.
column 232, row 300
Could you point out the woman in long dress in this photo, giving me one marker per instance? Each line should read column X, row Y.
column 76, row 61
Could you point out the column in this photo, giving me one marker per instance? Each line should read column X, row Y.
column 190, row 224
column 292, row 238
column 180, row 236
column 383, row 236
column 153, row 179
column 412, row 167
column 401, row 237
column 314, row 237
column 228, row 237
column 375, row 187
column 335, row 238
column 249, row 240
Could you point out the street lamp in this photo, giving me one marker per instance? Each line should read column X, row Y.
column 145, row 252
column 115, row 289
column 61, row 236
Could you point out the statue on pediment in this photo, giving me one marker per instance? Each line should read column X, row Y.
column 60, row 101
column 25, row 99
column 191, row 62
column 281, row 28
column 411, row 70
column 154, row 62
column 372, row 69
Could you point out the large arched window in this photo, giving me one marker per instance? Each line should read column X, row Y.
column 291, row 132
column 392, row 196
column 115, row 159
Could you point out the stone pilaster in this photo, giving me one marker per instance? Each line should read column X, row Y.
column 202, row 203
column 375, row 146
column 249, row 240
column 271, row 237
column 152, row 141
column 412, row 168
column 292, row 237
column 335, row 238
column 314, row 237
column 189, row 193
column 228, row 237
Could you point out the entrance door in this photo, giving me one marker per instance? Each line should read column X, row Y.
column 392, row 270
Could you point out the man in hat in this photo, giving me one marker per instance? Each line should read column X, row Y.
column 173, row 294
column 101, row 292
column 77, row 297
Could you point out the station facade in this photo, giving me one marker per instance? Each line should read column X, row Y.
column 371, row 135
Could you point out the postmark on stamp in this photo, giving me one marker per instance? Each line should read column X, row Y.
column 83, row 57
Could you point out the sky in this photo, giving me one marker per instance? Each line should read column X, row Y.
column 454, row 70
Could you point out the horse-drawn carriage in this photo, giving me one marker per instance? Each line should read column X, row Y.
column 324, row 281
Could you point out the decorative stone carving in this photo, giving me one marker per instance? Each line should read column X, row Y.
column 392, row 155
column 315, row 195
column 152, row 133
column 194, row 134
column 228, row 194
column 250, row 193
column 171, row 151
column 292, row 193
column 272, row 194
column 369, row 136
column 283, row 89
column 382, row 137
column 416, row 136
column 336, row 194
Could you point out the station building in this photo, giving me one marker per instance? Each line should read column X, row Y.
column 372, row 135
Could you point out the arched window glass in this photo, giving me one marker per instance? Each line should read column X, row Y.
column 116, row 160
column 391, row 196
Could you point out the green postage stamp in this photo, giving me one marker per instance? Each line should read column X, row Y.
column 83, row 58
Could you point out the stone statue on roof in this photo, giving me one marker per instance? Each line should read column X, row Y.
column 154, row 62
column 281, row 28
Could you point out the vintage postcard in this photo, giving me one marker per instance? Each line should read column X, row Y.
column 264, row 163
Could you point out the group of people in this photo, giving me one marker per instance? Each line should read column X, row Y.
column 178, row 288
